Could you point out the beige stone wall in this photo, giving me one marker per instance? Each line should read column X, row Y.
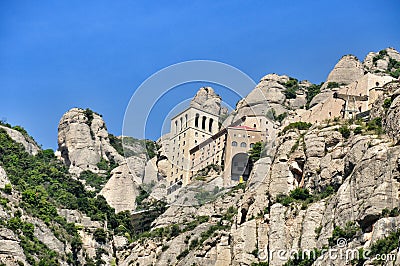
column 188, row 129
column 368, row 85
column 239, row 140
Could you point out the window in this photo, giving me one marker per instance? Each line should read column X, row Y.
column 176, row 126
column 181, row 123
column 243, row 144
column 184, row 142
column 196, row 120
column 254, row 125
column 234, row 143
column 235, row 163
column 186, row 120
column 203, row 123
column 251, row 145
column 196, row 134
column 210, row 124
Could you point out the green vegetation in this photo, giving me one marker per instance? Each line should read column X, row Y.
column 46, row 185
column 332, row 85
column 116, row 143
column 143, row 195
column 312, row 91
column 94, row 180
column 103, row 164
column 375, row 125
column 379, row 56
column 301, row 195
column 292, row 85
column 151, row 148
column 30, row 244
column 358, row 130
column 282, row 116
column 100, row 236
column 7, row 189
column 386, row 245
column 348, row 232
column 297, row 143
column 297, row 125
column 203, row 173
column 390, row 213
column 345, row 131
column 271, row 114
column 182, row 254
column 303, row 258
column 387, row 103
column 256, row 152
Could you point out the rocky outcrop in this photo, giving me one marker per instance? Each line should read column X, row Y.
column 11, row 252
column 3, row 178
column 347, row 70
column 83, row 141
column 392, row 116
column 206, row 99
column 29, row 144
column 123, row 186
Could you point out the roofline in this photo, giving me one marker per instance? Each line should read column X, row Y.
column 172, row 118
column 217, row 135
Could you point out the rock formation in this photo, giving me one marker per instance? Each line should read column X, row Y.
column 83, row 141
column 29, row 144
column 206, row 99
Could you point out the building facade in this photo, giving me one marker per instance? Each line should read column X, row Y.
column 196, row 141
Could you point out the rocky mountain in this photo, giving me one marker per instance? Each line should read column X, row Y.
column 322, row 183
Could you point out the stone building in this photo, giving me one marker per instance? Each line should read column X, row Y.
column 188, row 129
column 197, row 141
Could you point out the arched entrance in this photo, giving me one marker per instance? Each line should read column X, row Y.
column 240, row 166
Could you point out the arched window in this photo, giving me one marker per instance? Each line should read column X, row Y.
column 176, row 126
column 181, row 123
column 186, row 120
column 203, row 123
column 196, row 120
column 251, row 145
column 210, row 124
column 243, row 144
column 234, row 143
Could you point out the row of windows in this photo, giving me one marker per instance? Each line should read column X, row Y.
column 203, row 122
column 243, row 144
column 239, row 135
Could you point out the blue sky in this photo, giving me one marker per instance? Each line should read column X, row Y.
column 55, row 55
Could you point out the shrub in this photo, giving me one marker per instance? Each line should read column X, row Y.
column 281, row 117
column 7, row 189
column 292, row 85
column 386, row 245
column 312, row 91
column 183, row 254
column 300, row 194
column 345, row 131
column 375, row 125
column 103, row 164
column 348, row 232
column 332, row 85
column 100, row 235
column 357, row 130
column 387, row 103
column 256, row 151
column 297, row 125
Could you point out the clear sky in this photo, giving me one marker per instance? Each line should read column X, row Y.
column 55, row 55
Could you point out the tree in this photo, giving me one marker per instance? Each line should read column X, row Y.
column 256, row 151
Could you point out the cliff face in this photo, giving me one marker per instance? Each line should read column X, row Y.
column 83, row 141
column 353, row 179
column 315, row 186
